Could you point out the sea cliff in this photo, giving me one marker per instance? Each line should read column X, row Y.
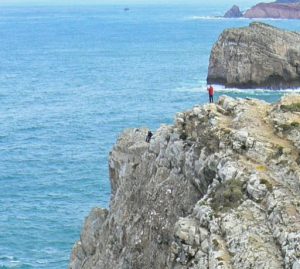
column 276, row 10
column 219, row 188
column 258, row 56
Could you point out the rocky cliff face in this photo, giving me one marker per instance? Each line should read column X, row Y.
column 274, row 10
column 281, row 9
column 258, row 56
column 218, row 189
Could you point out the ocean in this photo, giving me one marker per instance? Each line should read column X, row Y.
column 71, row 79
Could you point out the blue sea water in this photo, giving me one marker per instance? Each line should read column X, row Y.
column 71, row 79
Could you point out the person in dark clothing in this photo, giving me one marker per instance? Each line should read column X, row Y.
column 149, row 135
column 210, row 90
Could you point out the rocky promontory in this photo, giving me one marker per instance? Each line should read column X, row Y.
column 258, row 56
column 283, row 9
column 218, row 189
column 274, row 10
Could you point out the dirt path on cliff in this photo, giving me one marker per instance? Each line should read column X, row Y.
column 256, row 122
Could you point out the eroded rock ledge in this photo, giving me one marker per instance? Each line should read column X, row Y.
column 258, row 56
column 218, row 189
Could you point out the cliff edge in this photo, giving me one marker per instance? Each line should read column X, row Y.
column 258, row 56
column 218, row 189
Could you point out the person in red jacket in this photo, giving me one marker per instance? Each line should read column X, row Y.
column 210, row 90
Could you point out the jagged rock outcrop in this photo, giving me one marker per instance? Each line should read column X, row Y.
column 218, row 189
column 234, row 12
column 258, row 56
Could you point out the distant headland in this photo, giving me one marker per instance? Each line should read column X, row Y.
column 281, row 9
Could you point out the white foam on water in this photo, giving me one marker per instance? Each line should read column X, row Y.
column 8, row 261
column 255, row 91
column 42, row 261
column 223, row 89
column 6, row 257
column 196, row 18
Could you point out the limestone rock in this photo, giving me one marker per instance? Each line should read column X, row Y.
column 218, row 189
column 255, row 189
column 296, row 264
column 258, row 56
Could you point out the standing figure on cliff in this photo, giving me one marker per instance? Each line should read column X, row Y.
column 149, row 135
column 210, row 90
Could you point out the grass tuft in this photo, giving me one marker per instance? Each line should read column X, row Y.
column 228, row 195
column 295, row 107
column 286, row 127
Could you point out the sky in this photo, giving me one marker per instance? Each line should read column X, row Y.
column 125, row 2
